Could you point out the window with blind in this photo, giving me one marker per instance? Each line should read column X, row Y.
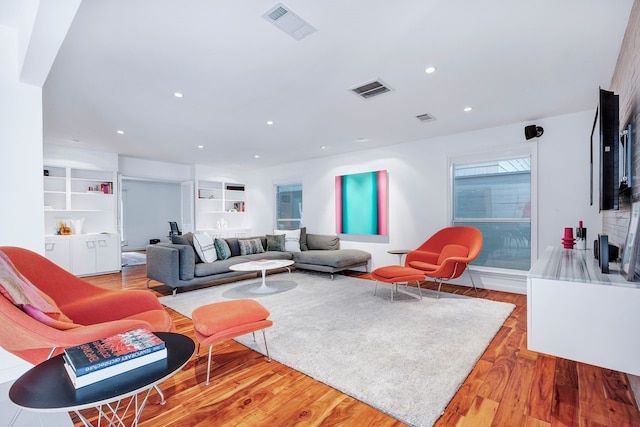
column 288, row 206
column 495, row 197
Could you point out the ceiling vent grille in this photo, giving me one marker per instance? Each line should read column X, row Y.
column 371, row 89
column 426, row 117
column 282, row 17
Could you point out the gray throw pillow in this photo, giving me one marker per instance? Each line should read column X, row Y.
column 222, row 249
column 186, row 239
column 275, row 242
column 250, row 246
column 303, row 239
column 233, row 245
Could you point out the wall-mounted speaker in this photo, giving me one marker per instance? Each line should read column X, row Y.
column 533, row 131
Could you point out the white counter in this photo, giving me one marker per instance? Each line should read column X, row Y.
column 574, row 265
column 576, row 312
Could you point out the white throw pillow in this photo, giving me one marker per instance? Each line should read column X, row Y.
column 203, row 244
column 291, row 239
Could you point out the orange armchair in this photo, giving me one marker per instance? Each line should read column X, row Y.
column 101, row 312
column 446, row 254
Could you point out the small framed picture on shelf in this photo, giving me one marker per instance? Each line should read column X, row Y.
column 630, row 251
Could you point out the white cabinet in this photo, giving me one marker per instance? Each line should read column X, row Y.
column 216, row 201
column 108, row 255
column 85, row 255
column 58, row 251
column 95, row 254
column 578, row 313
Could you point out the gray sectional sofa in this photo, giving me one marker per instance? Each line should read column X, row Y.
column 178, row 265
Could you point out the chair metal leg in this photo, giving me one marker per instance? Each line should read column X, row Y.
column 439, row 286
column 375, row 289
column 209, row 364
column 264, row 336
column 472, row 282
column 15, row 417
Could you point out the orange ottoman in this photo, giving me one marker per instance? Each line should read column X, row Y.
column 394, row 274
column 220, row 321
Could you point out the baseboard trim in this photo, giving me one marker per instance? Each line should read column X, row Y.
column 634, row 382
column 496, row 280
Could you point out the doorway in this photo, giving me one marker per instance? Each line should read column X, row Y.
column 147, row 208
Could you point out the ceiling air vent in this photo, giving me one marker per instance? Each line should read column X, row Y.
column 282, row 17
column 371, row 89
column 426, row 117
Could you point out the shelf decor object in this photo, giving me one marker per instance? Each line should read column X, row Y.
column 362, row 203
column 568, row 241
column 630, row 251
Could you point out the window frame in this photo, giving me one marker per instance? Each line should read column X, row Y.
column 496, row 154
column 276, row 186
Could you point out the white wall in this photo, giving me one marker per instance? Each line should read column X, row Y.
column 56, row 155
column 418, row 185
column 147, row 208
column 154, row 170
column 21, row 183
column 22, row 214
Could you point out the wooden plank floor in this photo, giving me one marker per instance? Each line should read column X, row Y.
column 509, row 386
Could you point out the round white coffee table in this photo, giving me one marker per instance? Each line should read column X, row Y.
column 263, row 266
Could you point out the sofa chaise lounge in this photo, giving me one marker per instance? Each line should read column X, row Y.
column 178, row 264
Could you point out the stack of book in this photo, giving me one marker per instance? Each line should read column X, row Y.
column 104, row 358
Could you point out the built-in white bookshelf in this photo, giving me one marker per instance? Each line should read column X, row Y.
column 219, row 204
column 84, row 200
column 82, row 195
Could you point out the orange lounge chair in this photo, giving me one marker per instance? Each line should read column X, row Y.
column 98, row 312
column 444, row 256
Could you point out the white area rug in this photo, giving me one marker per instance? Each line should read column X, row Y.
column 406, row 358
column 133, row 258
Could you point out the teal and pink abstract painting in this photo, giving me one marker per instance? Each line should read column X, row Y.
column 361, row 203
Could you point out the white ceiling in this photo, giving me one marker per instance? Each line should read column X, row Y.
column 511, row 61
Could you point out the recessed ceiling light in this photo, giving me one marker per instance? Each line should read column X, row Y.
column 120, row 132
column 467, row 109
column 256, row 156
column 323, row 147
column 270, row 123
column 200, row 146
column 430, row 70
column 178, row 94
column 361, row 139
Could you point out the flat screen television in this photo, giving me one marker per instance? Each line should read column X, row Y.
column 609, row 132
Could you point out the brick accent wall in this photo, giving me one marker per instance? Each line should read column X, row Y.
column 626, row 83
